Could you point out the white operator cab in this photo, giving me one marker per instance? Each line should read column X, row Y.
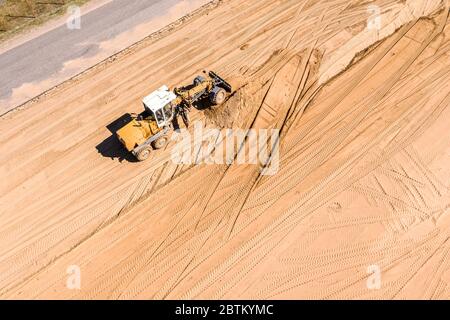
column 158, row 104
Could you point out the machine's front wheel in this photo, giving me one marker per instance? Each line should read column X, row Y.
column 160, row 142
column 143, row 154
column 218, row 96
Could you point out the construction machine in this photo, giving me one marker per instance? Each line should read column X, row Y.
column 149, row 130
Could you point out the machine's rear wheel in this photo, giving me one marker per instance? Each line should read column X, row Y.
column 160, row 142
column 143, row 154
column 218, row 96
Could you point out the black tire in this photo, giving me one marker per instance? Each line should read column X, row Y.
column 218, row 96
column 160, row 142
column 144, row 153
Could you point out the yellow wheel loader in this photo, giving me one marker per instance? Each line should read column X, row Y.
column 149, row 130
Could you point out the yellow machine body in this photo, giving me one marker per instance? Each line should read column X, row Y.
column 137, row 132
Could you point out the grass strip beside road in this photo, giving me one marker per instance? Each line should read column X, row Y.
column 19, row 15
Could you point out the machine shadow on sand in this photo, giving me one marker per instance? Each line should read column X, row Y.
column 111, row 146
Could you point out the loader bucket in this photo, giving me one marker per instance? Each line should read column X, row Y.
column 220, row 82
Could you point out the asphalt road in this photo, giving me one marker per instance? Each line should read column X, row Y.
column 42, row 57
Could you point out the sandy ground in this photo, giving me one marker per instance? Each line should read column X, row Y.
column 363, row 181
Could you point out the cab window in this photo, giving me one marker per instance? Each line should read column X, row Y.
column 168, row 111
column 159, row 117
